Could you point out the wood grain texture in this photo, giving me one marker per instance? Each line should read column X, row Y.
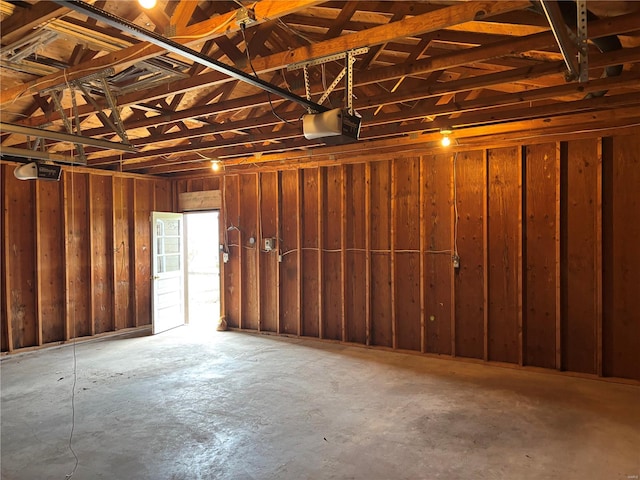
column 163, row 196
column 540, row 262
column 101, row 215
column 250, row 251
column 51, row 261
column 469, row 278
column 144, row 201
column 231, row 269
column 407, row 253
column 268, row 260
column 310, row 253
column 122, row 243
column 78, row 259
column 355, row 298
column 438, row 197
column 20, row 247
column 621, row 321
column 579, row 272
column 289, row 313
column 331, row 266
column 4, row 210
column 380, row 255
column 504, row 204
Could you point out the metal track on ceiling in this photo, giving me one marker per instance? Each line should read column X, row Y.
column 175, row 47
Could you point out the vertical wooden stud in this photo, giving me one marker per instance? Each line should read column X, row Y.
column 367, row 247
column 278, row 243
column 454, row 248
column 67, row 234
column 7, row 280
column 39, row 262
column 133, row 252
column 258, row 248
column 485, row 249
column 558, row 233
column 343, row 253
column 598, row 261
column 520, row 258
column 92, row 253
column 222, row 221
column 240, row 260
column 423, row 332
column 300, row 213
column 392, row 255
column 115, row 246
column 320, row 250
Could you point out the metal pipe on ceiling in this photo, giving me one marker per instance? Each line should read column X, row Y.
column 175, row 47
column 64, row 137
column 37, row 154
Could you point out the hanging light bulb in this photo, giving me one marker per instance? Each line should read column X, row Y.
column 147, row 3
column 215, row 165
column 446, row 140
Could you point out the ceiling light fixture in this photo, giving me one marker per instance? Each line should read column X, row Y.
column 215, row 165
column 147, row 3
column 446, row 140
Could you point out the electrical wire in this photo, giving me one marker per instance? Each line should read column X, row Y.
column 246, row 50
column 75, row 358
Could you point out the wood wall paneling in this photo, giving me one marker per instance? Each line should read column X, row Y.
column 407, row 253
column 20, row 259
column 621, row 231
column 250, row 251
column 540, row 260
column 581, row 310
column 50, row 258
column 310, row 253
column 289, row 302
column 355, row 274
column 144, row 205
column 438, row 197
column 469, row 278
column 123, row 191
column 162, row 198
column 231, row 270
column 101, row 224
column 74, row 236
column 504, row 203
column 380, row 201
column 331, row 244
column 4, row 210
column 78, row 256
column 268, row 222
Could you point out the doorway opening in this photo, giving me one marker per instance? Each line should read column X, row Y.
column 203, row 268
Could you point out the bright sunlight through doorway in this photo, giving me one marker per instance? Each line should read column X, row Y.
column 203, row 268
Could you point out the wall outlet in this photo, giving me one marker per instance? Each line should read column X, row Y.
column 268, row 244
column 456, row 261
column 225, row 257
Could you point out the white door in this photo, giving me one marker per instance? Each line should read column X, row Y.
column 168, row 271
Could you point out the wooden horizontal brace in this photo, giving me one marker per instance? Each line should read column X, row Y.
column 216, row 26
column 64, row 137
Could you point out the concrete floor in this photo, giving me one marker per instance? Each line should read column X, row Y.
column 189, row 404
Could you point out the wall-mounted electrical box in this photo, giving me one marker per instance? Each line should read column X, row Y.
column 268, row 244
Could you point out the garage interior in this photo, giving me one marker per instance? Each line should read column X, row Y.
column 397, row 307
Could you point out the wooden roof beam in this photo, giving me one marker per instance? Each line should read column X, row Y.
column 182, row 14
column 493, row 111
column 198, row 33
column 23, row 20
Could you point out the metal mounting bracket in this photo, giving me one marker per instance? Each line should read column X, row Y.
column 327, row 58
column 56, row 96
column 349, row 57
column 572, row 46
